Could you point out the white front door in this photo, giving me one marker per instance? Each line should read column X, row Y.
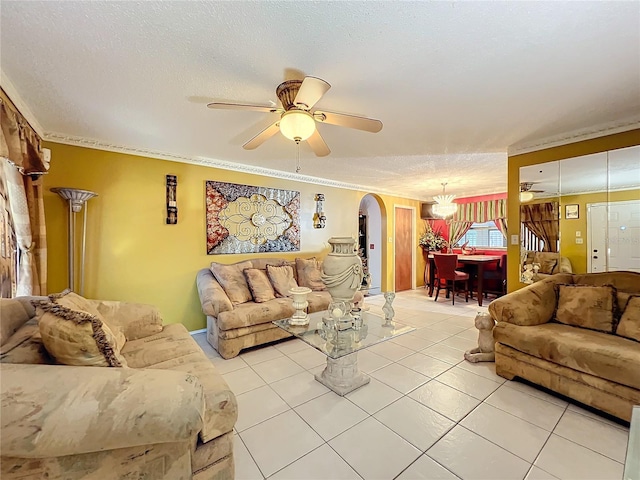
column 624, row 236
column 621, row 250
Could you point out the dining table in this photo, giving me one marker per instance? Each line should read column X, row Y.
column 478, row 261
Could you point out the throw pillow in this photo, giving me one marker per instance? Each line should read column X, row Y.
column 547, row 266
column 587, row 306
column 282, row 279
column 310, row 274
column 232, row 280
column 75, row 337
column 259, row 284
column 629, row 325
column 76, row 302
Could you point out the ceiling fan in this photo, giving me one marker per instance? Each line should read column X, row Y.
column 526, row 194
column 297, row 120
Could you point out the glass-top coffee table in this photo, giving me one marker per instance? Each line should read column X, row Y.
column 341, row 345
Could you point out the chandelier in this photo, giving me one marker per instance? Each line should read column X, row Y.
column 444, row 206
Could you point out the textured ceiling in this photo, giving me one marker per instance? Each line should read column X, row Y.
column 456, row 84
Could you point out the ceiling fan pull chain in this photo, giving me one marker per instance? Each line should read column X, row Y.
column 298, row 157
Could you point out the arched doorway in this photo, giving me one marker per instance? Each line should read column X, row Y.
column 370, row 238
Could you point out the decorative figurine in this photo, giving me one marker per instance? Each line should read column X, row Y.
column 485, row 350
column 387, row 308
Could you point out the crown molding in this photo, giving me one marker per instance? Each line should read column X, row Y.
column 576, row 136
column 213, row 163
column 25, row 111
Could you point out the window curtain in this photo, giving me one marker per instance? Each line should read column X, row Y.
column 542, row 220
column 477, row 212
column 22, row 163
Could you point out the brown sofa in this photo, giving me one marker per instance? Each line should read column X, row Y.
column 593, row 367
column 168, row 415
column 233, row 327
column 550, row 263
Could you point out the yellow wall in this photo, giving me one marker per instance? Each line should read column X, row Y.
column 132, row 255
column 586, row 147
column 575, row 252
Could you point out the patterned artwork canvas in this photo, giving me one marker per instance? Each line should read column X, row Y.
column 249, row 219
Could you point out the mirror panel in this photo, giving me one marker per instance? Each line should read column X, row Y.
column 598, row 197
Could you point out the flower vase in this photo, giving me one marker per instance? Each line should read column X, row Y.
column 342, row 269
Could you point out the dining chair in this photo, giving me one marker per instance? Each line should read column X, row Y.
column 446, row 272
column 497, row 279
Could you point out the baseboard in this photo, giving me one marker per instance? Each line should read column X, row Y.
column 202, row 330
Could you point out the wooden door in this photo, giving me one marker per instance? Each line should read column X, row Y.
column 403, row 249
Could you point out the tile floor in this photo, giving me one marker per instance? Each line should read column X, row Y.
column 427, row 413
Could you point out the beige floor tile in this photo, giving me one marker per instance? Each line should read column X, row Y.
column 568, row 460
column 444, row 353
column 258, row 405
column 243, row 380
column 330, row 414
column 374, row 396
column 277, row 369
column 426, row 468
column 321, row 464
column 400, row 377
column 469, row 383
column 445, row 400
column 245, row 467
column 380, row 453
column 279, row 441
column 472, row 457
column 532, row 409
column 299, row 388
column 425, row 364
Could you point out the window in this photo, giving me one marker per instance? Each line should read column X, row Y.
column 484, row 235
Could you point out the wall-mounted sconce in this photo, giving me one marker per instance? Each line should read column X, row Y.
column 319, row 219
column 172, row 203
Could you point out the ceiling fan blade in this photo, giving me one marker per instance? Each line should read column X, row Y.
column 240, row 106
column 351, row 121
column 263, row 136
column 311, row 90
column 318, row 145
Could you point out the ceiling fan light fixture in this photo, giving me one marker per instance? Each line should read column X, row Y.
column 297, row 125
column 444, row 206
column 526, row 197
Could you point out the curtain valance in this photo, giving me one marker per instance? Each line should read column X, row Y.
column 19, row 143
column 481, row 212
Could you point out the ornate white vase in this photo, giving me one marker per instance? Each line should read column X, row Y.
column 299, row 295
column 342, row 269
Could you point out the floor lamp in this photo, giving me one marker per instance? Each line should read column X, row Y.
column 76, row 198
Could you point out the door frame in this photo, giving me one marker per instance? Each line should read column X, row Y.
column 413, row 247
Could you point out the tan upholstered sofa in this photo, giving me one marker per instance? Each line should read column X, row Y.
column 233, row 326
column 168, row 415
column 592, row 357
column 550, row 263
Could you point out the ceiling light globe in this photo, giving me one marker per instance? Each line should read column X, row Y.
column 297, row 125
column 526, row 197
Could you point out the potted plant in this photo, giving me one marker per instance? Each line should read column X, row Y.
column 431, row 240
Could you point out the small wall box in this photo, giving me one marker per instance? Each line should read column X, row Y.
column 172, row 203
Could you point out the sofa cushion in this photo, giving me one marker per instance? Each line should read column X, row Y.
column 282, row 279
column 547, row 266
column 310, row 274
column 75, row 337
column 629, row 325
column 135, row 320
column 586, row 306
column 160, row 347
column 15, row 313
column 25, row 346
column 252, row 313
column 259, row 285
column 231, row 279
column 596, row 353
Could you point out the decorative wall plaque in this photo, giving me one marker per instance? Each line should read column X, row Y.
column 172, row 203
column 249, row 219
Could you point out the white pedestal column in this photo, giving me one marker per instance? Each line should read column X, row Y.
column 342, row 375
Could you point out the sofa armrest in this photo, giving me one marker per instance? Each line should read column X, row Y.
column 57, row 410
column 136, row 320
column 534, row 304
column 213, row 299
